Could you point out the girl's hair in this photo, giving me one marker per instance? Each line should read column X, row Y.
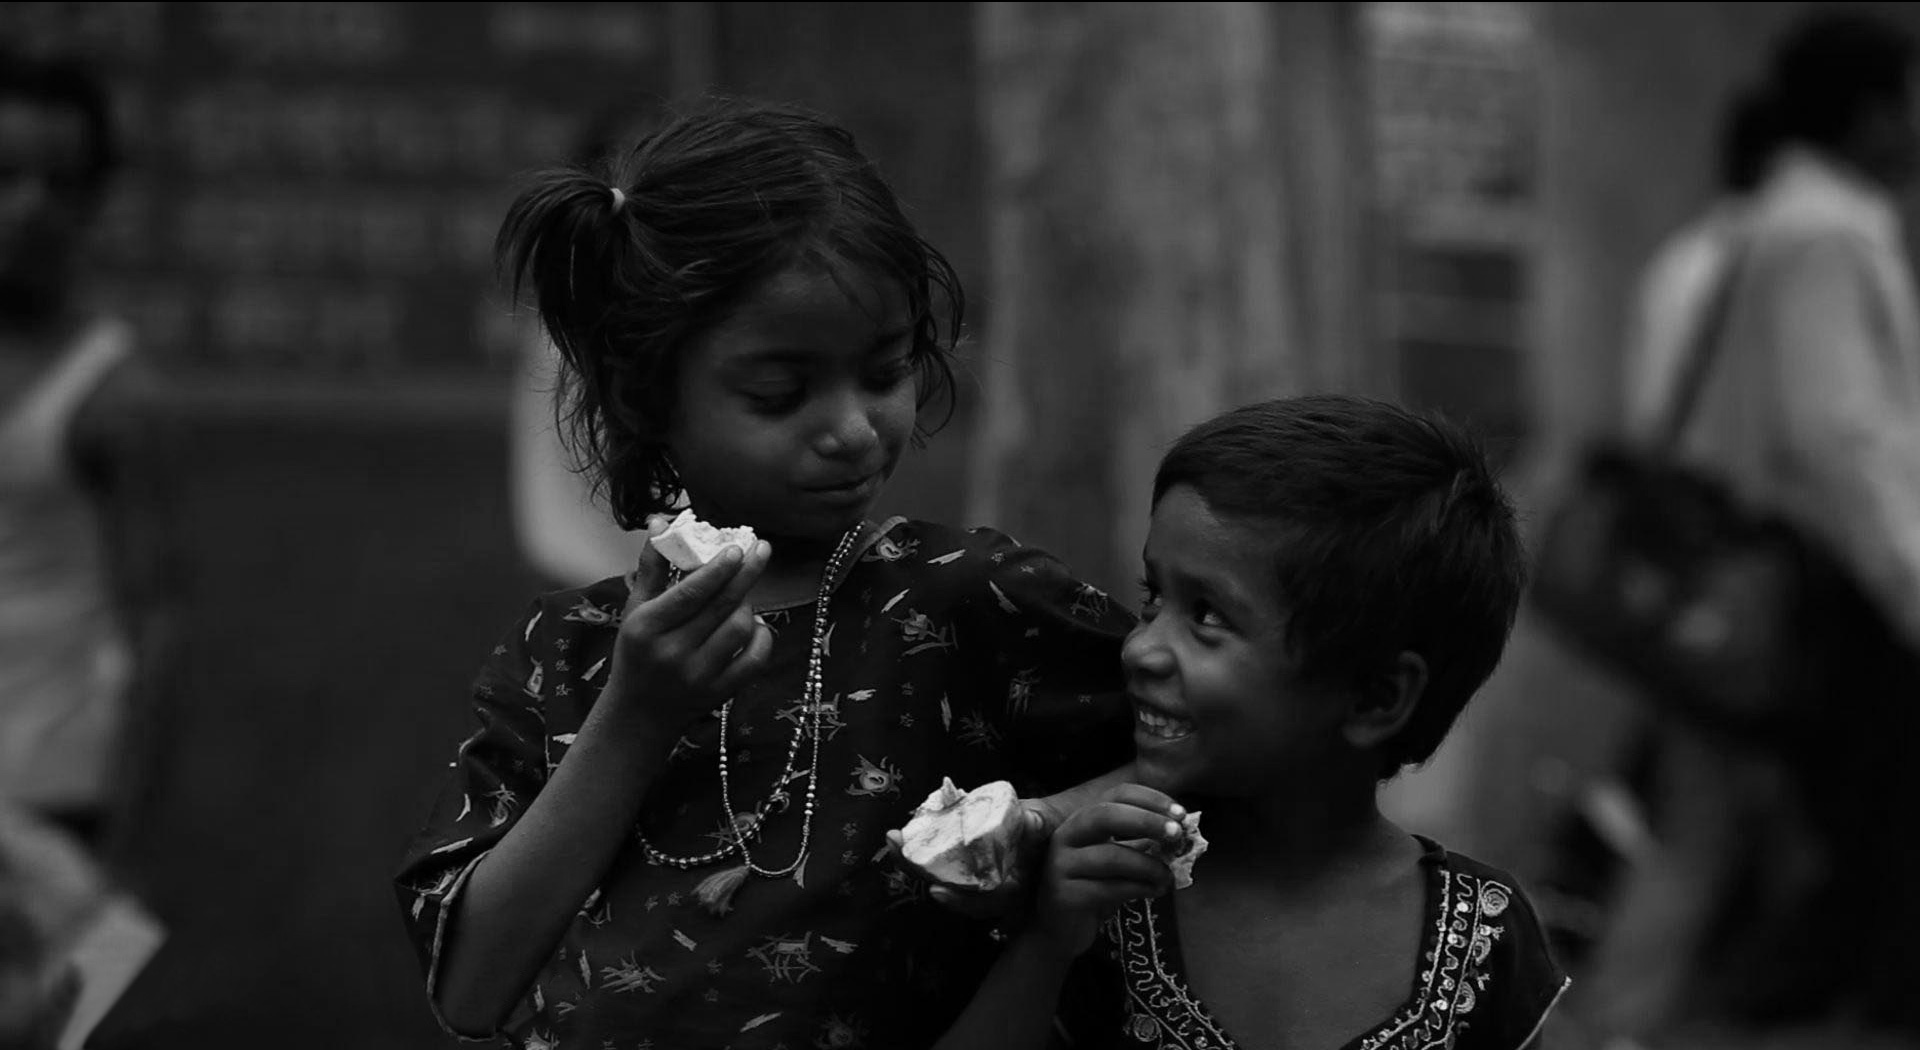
column 715, row 202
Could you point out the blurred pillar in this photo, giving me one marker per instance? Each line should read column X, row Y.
column 1174, row 215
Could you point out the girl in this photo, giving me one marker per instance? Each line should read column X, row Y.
column 666, row 831
column 1327, row 581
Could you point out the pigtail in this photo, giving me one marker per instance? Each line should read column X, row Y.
column 558, row 240
column 574, row 240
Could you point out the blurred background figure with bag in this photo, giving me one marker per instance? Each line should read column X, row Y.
column 1750, row 565
column 66, row 372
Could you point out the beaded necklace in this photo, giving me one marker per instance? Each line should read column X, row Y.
column 717, row 891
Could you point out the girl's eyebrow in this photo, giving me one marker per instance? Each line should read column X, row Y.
column 770, row 355
column 886, row 339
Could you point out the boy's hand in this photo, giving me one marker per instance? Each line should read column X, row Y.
column 683, row 648
column 1090, row 871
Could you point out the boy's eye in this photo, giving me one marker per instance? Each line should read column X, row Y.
column 1149, row 600
column 1205, row 616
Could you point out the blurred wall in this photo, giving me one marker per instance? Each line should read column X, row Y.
column 1174, row 205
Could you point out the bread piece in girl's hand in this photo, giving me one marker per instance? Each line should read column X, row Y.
column 689, row 543
column 965, row 838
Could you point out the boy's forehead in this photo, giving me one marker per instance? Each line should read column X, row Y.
column 1228, row 552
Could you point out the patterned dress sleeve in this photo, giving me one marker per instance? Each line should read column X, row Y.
column 493, row 775
column 1049, row 651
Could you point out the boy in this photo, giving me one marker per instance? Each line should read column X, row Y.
column 1328, row 580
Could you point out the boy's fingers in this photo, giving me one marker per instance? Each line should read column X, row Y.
column 1145, row 797
column 1105, row 821
column 1112, row 862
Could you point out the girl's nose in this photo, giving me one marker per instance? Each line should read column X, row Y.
column 848, row 432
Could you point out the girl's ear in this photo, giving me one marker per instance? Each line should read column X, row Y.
column 1384, row 706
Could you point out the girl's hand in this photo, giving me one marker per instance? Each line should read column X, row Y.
column 685, row 648
column 1091, row 869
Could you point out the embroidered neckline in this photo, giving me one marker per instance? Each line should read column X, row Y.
column 1458, row 935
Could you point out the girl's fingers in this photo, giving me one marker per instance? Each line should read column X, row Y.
column 649, row 575
column 731, row 597
column 680, row 603
column 748, row 663
column 727, row 642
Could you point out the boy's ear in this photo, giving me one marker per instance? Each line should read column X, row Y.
column 1388, row 701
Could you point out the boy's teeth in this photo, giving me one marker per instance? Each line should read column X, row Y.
column 1161, row 725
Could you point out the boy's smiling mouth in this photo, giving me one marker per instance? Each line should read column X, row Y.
column 1158, row 724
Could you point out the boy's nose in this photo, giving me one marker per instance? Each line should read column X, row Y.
column 1144, row 656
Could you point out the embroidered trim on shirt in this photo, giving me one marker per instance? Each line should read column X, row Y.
column 1161, row 1011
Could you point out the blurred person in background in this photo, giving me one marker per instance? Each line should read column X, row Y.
column 1596, row 822
column 565, row 531
column 1688, row 266
column 1764, row 901
column 66, row 369
column 1770, row 903
column 1813, row 410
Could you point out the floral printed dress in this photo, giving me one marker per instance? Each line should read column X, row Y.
column 1485, row 980
column 949, row 653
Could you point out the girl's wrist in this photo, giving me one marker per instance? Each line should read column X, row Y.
column 631, row 717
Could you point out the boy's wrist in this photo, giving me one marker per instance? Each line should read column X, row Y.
column 1052, row 942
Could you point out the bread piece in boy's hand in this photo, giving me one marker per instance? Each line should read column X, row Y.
column 969, row 839
column 689, row 543
column 1181, row 857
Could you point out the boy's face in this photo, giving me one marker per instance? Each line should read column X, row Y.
column 1219, row 705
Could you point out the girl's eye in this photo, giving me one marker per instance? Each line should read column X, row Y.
column 887, row 374
column 774, row 397
column 1205, row 616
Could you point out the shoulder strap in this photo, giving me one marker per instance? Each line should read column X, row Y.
column 1703, row 348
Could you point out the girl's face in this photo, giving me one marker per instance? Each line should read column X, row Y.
column 792, row 411
column 1219, row 706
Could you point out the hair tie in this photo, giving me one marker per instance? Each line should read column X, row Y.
column 619, row 199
